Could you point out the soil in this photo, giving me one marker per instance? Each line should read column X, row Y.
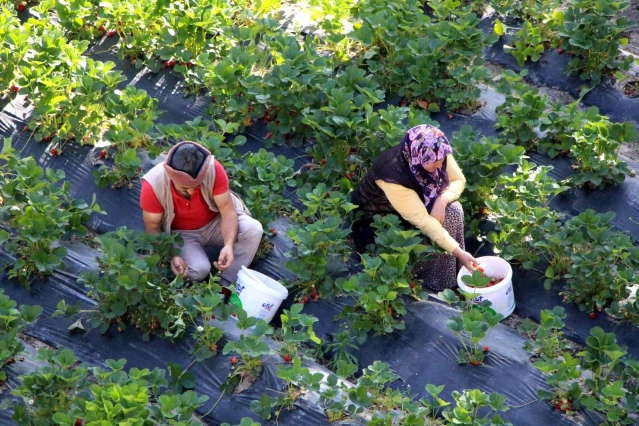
column 553, row 95
column 632, row 13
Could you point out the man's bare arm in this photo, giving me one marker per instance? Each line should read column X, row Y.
column 152, row 222
column 229, row 222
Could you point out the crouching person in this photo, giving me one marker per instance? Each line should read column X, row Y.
column 190, row 193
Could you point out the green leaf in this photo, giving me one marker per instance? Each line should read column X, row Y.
column 498, row 28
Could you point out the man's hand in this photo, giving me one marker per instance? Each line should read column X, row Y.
column 225, row 260
column 466, row 259
column 439, row 209
column 178, row 266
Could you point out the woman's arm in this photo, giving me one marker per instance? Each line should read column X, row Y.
column 410, row 207
column 457, row 181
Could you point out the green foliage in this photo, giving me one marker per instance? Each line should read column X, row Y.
column 595, row 148
column 320, row 246
column 600, row 379
column 385, row 278
column 471, row 326
column 603, row 261
column 483, row 162
column 12, row 322
column 522, row 214
column 519, row 115
column 593, row 31
column 132, row 287
column 41, row 213
column 546, row 338
column 63, row 391
column 127, row 167
column 262, row 178
column 528, row 45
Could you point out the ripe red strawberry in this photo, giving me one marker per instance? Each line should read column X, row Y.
column 412, row 286
column 233, row 360
column 268, row 135
column 305, row 299
column 47, row 139
column 102, row 29
column 78, row 422
column 273, row 230
column 167, row 64
column 561, row 42
column 475, row 363
column 131, row 33
column 172, row 63
column 287, row 358
column 54, row 151
column 316, row 298
column 485, row 348
column 103, row 153
column 560, row 51
column 110, row 33
column 450, row 116
column 183, row 63
column 15, row 88
column 21, row 7
column 292, row 112
column 189, row 64
column 592, row 315
column 286, row 136
column 323, row 162
column 119, row 23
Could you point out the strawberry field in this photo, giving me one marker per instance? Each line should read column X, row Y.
column 297, row 99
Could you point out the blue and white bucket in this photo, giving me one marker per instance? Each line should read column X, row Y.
column 501, row 296
column 259, row 295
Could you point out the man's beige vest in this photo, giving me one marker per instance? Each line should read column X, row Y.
column 161, row 184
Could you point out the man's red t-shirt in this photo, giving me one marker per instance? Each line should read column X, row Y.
column 189, row 214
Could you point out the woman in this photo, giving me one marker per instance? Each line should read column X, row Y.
column 420, row 181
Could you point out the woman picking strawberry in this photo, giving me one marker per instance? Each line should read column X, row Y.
column 420, row 181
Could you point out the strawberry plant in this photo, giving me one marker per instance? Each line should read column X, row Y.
column 250, row 348
column 482, row 161
column 593, row 32
column 595, row 147
column 385, row 278
column 559, row 123
column 600, row 379
column 471, row 326
column 522, row 214
column 12, row 322
column 546, row 339
column 262, row 178
column 462, row 41
column 65, row 393
column 132, row 287
column 339, row 120
column 41, row 213
column 604, row 261
column 519, row 115
column 529, row 44
column 296, row 333
column 469, row 404
column 321, row 247
column 298, row 380
column 127, row 167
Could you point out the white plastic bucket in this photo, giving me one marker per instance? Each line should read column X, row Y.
column 501, row 296
column 260, row 296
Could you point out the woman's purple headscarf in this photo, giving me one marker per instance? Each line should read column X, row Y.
column 423, row 145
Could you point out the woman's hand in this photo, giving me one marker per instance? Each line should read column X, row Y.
column 466, row 259
column 439, row 209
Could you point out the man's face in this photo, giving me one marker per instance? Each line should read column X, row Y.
column 187, row 191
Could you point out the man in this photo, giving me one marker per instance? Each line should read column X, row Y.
column 190, row 193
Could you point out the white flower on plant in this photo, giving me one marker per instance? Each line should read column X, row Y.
column 200, row 328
